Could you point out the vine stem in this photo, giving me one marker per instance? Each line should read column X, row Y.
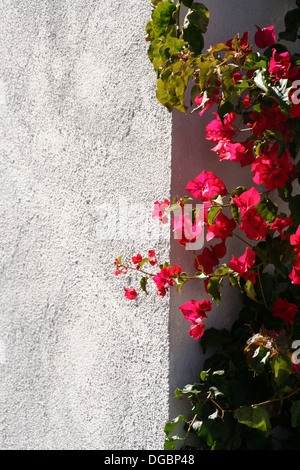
column 262, row 292
column 194, row 419
column 276, row 399
column 139, row 270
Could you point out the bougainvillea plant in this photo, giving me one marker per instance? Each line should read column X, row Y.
column 248, row 393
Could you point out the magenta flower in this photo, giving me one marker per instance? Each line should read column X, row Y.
column 130, row 293
column 205, row 186
column 281, row 224
column 264, row 37
column 253, row 225
column 194, row 311
column 285, row 310
column 242, row 264
column 279, row 65
column 247, row 199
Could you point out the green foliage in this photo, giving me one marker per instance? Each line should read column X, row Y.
column 238, row 401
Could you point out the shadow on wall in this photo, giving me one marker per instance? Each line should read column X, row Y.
column 191, row 154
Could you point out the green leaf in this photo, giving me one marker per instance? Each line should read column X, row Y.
column 292, row 25
column 282, row 369
column 260, row 80
column 212, row 212
column 259, row 358
column 254, row 417
column 187, row 3
column 222, row 271
column 227, row 80
column 213, row 288
column 162, row 17
column 144, row 284
column 250, row 291
column 295, row 413
column 171, row 425
column 280, row 92
column 225, row 108
column 267, row 209
column 195, row 24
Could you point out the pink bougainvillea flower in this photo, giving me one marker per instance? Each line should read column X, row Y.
column 163, row 280
column 219, row 249
column 295, row 273
column 228, row 150
column 137, row 259
column 268, row 118
column 264, row 37
column 205, row 186
column 194, row 311
column 242, row 264
column 216, row 130
column 253, row 225
column 282, row 308
column 221, row 228
column 281, row 224
column 295, row 240
column 151, row 256
column 186, row 231
column 243, row 42
column 272, row 171
column 159, row 212
column 207, row 259
column 210, row 257
column 208, row 103
column 279, row 65
column 247, row 199
column 176, row 270
column 130, row 293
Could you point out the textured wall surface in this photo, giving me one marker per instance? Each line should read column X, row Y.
column 84, row 144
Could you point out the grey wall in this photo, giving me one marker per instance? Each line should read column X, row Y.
column 191, row 154
column 85, row 151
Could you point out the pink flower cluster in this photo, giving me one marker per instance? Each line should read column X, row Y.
column 295, row 273
column 270, row 167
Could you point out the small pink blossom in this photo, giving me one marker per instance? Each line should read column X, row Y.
column 242, row 265
column 295, row 273
column 282, row 308
column 130, row 293
column 295, row 240
column 159, row 212
column 281, row 224
column 279, row 65
column 247, row 199
column 137, row 259
column 253, row 225
column 216, row 130
column 264, row 37
column 205, row 186
column 194, row 311
column 221, row 228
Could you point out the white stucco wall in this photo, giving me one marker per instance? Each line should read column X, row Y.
column 82, row 367
column 82, row 140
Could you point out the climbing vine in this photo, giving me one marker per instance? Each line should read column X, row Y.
column 248, row 393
